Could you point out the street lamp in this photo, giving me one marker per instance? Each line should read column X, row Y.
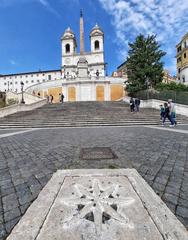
column 22, row 85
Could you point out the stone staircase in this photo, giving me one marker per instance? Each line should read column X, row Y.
column 83, row 114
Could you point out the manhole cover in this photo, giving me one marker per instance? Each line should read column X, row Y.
column 97, row 153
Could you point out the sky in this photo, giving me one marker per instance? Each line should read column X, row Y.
column 30, row 30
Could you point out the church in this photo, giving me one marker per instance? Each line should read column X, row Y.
column 82, row 76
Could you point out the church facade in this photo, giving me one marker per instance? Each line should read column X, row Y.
column 82, row 76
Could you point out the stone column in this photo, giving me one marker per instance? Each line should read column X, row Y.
column 81, row 33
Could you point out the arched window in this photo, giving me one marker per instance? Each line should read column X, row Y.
column 97, row 45
column 67, row 48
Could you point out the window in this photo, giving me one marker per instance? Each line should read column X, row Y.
column 179, row 49
column 183, row 78
column 67, row 48
column 26, row 76
column 96, row 45
column 32, row 75
column 5, row 83
column 49, row 77
column 179, row 70
column 15, row 76
column 10, row 83
column 27, row 81
column 185, row 44
column 32, row 81
column 43, row 74
column 179, row 60
column 184, row 55
column 38, row 81
column 43, row 80
column 16, row 82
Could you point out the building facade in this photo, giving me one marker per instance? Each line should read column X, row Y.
column 167, row 77
column 182, row 60
column 82, row 76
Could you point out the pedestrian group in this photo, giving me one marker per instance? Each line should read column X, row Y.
column 50, row 98
column 135, row 104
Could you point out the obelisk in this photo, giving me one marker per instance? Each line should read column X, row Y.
column 81, row 33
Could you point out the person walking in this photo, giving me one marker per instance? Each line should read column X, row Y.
column 137, row 104
column 51, row 99
column 172, row 113
column 162, row 112
column 167, row 114
column 48, row 99
column 132, row 104
column 62, row 98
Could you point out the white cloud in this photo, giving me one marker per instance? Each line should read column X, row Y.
column 166, row 18
column 12, row 62
column 44, row 3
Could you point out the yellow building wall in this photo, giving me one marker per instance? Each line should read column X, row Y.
column 71, row 94
column 45, row 94
column 100, row 93
column 55, row 93
column 117, row 92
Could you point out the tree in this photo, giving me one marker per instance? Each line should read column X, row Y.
column 144, row 65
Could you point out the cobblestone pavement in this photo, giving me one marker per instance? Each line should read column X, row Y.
column 27, row 162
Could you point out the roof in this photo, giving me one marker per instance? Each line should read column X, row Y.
column 28, row 73
column 96, row 30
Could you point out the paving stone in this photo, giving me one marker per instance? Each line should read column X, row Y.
column 9, row 225
column 7, row 191
column 12, row 214
column 182, row 211
column 170, row 198
column 76, row 209
column 10, row 202
column 2, row 231
column 24, row 197
column 24, row 207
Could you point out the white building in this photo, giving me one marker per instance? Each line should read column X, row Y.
column 82, row 76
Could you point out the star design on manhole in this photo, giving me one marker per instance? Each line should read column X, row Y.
column 99, row 205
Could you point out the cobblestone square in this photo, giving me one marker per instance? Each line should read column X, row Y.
column 29, row 158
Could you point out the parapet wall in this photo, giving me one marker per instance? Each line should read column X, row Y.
column 154, row 103
column 21, row 108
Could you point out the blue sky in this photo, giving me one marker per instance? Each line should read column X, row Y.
column 30, row 30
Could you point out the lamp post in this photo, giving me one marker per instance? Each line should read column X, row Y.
column 22, row 85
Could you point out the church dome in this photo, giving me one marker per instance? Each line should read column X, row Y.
column 96, row 31
column 68, row 34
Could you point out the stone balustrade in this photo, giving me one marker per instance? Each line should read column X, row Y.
column 21, row 108
column 154, row 103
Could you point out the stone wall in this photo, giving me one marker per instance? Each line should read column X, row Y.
column 20, row 108
column 28, row 98
column 153, row 103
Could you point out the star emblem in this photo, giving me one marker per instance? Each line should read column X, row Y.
column 99, row 205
